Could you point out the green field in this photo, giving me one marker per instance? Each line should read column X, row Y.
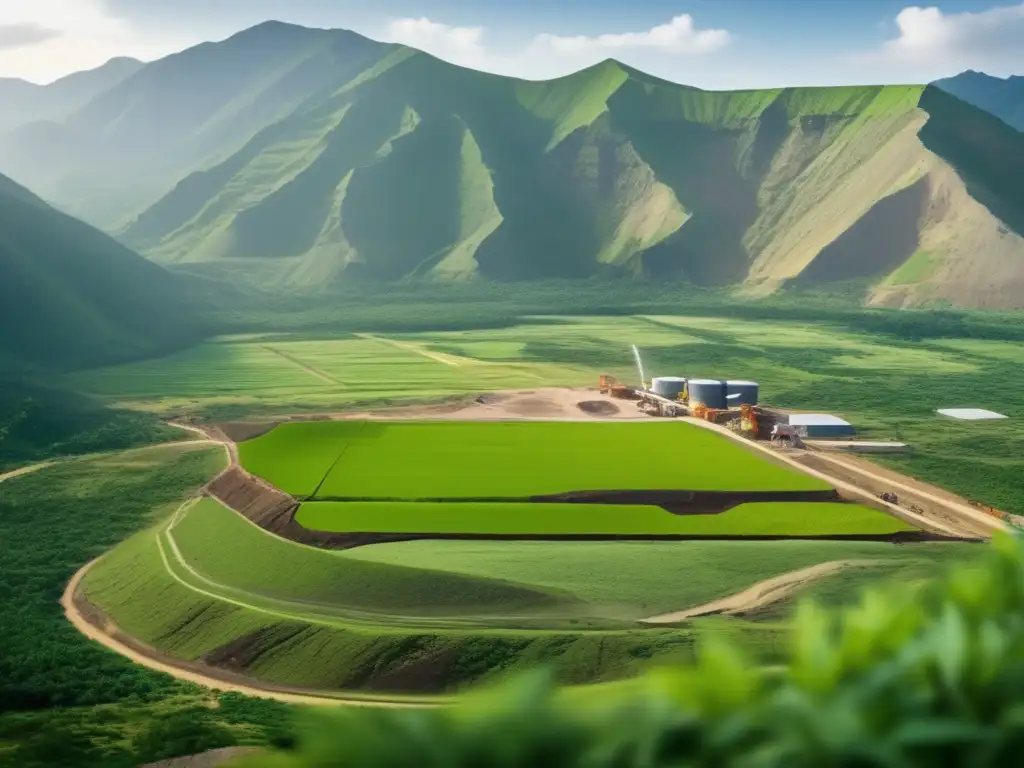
column 224, row 548
column 662, row 575
column 248, row 374
column 416, row 460
column 771, row 519
column 886, row 373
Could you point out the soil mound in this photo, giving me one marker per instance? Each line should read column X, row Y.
column 268, row 507
column 598, row 407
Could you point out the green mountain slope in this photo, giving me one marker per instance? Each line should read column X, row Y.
column 72, row 296
column 1003, row 97
column 124, row 149
column 25, row 102
column 417, row 168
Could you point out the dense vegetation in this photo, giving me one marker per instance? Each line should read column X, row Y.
column 925, row 676
column 38, row 423
column 72, row 296
column 63, row 700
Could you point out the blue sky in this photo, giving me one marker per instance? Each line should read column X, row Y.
column 708, row 43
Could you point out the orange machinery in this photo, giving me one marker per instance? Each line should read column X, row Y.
column 748, row 419
column 609, row 385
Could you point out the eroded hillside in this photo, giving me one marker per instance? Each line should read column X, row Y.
column 419, row 168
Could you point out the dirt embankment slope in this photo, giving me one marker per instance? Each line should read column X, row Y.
column 92, row 623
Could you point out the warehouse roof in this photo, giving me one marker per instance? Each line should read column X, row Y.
column 816, row 420
column 970, row 414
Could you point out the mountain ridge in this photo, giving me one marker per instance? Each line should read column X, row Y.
column 604, row 171
column 1001, row 96
column 26, row 102
column 396, row 165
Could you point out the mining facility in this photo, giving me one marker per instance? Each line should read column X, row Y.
column 730, row 402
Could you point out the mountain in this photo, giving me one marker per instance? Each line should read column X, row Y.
column 130, row 144
column 1003, row 97
column 72, row 296
column 25, row 102
column 415, row 168
column 304, row 157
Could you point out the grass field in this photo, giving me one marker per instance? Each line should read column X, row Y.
column 772, row 519
column 222, row 546
column 249, row 374
column 662, row 575
column 506, row 459
column 888, row 385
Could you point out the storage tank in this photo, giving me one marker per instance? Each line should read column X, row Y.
column 707, row 392
column 668, row 386
column 739, row 393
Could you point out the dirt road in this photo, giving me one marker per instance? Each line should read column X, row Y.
column 211, row 435
column 926, row 523
column 759, row 595
column 25, row 470
column 104, row 638
column 973, row 518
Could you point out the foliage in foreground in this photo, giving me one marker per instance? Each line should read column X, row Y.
column 931, row 675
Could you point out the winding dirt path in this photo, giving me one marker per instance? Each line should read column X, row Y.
column 25, row 470
column 761, row 594
column 101, row 636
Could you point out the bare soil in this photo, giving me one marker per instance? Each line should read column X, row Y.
column 545, row 403
column 598, row 407
column 933, row 504
column 253, row 498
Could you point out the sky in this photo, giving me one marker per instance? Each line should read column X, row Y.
column 715, row 44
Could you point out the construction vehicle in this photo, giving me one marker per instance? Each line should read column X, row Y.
column 785, row 433
column 609, row 385
column 748, row 420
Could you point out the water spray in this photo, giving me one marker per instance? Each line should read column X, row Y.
column 639, row 367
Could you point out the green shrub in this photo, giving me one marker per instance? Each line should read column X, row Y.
column 926, row 675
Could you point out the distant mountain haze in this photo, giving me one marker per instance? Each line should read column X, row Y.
column 305, row 158
column 23, row 102
column 1003, row 97
column 130, row 145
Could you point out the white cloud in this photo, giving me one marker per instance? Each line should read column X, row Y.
column 461, row 45
column 548, row 55
column 83, row 34
column 943, row 43
column 678, row 36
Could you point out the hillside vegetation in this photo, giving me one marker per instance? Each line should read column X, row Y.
column 130, row 144
column 72, row 296
column 302, row 159
column 407, row 166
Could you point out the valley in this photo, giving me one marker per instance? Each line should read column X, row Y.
column 335, row 372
